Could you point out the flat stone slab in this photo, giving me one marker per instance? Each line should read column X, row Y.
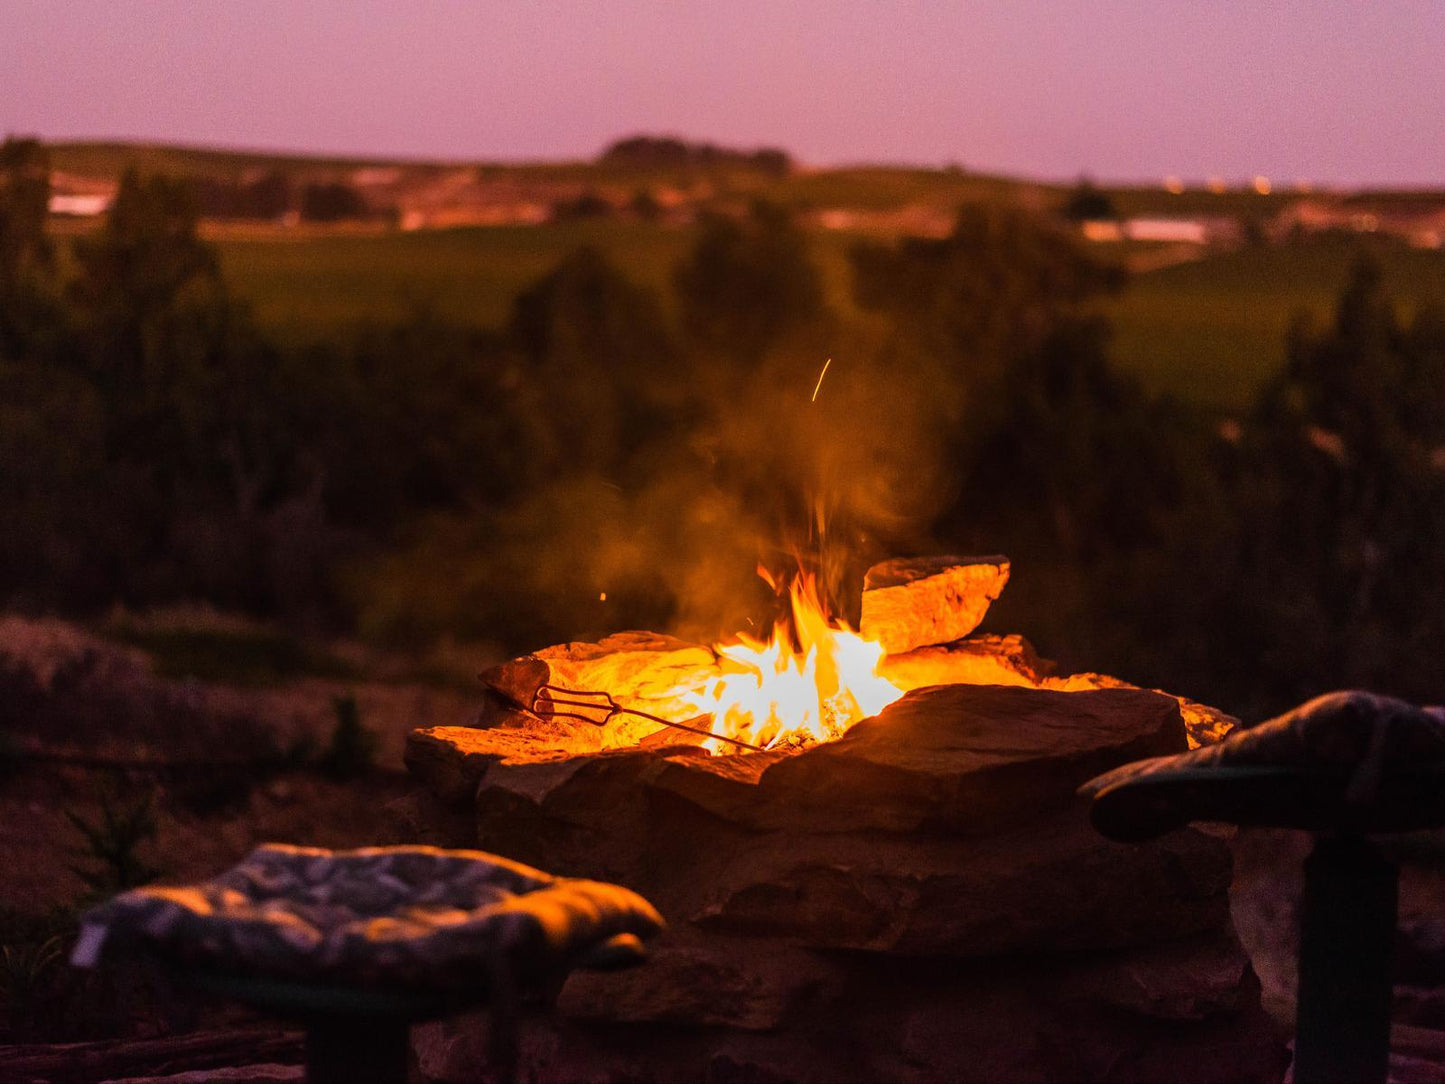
column 1012, row 660
column 706, row 979
column 976, row 660
column 451, row 760
column 1204, row 725
column 914, row 602
column 577, row 813
column 967, row 759
column 642, row 670
column 1053, row 886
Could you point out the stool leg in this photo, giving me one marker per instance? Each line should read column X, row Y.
column 1347, row 932
column 356, row 1050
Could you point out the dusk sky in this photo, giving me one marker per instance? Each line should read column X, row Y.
column 1342, row 92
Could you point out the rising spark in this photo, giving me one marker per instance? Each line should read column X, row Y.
column 819, row 384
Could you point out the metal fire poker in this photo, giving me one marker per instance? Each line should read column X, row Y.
column 548, row 698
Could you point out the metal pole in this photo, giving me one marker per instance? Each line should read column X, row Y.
column 1347, row 933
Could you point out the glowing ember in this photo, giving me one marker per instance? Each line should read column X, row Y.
column 773, row 694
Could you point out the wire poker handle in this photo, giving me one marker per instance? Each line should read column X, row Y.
column 548, row 698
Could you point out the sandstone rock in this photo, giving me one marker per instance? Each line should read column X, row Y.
column 872, row 1018
column 1055, row 886
column 1011, row 660
column 725, row 786
column 977, row 660
column 1195, row 979
column 641, row 670
column 1417, row 1055
column 451, row 760
column 711, row 981
column 1419, row 1006
column 999, row 1031
column 966, row 758
column 422, row 817
column 267, row 1073
column 576, row 813
column 911, row 603
column 1057, row 1019
column 1204, row 725
column 1420, row 950
column 453, row 1051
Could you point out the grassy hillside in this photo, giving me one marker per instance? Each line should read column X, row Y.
column 1209, row 331
column 320, row 285
column 314, row 287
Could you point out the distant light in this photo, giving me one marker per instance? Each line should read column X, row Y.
column 1102, row 229
column 1174, row 185
column 1261, row 185
column 1216, row 185
column 602, row 596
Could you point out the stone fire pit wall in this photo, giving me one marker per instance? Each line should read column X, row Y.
column 920, row 900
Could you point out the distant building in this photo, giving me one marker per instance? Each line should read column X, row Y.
column 1203, row 230
column 1187, row 231
column 1417, row 220
column 912, row 220
column 79, row 206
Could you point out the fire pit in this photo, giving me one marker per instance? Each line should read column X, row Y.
column 890, row 878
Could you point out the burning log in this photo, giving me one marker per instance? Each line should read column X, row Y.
column 918, row 602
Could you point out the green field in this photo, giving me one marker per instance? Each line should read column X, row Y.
column 1212, row 331
column 1209, row 331
column 315, row 287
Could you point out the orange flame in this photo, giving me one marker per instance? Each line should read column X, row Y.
column 773, row 694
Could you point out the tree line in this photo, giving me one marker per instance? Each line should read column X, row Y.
column 611, row 458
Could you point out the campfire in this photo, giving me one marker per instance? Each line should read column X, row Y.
column 811, row 680
column 848, row 830
column 808, row 682
column 777, row 692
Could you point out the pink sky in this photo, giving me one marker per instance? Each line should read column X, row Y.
column 1330, row 91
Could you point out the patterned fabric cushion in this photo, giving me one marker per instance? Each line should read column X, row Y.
column 402, row 916
column 1344, row 730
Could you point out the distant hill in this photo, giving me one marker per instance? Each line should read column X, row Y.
column 697, row 173
column 641, row 176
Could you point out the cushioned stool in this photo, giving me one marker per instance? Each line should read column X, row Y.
column 1343, row 766
column 360, row 944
